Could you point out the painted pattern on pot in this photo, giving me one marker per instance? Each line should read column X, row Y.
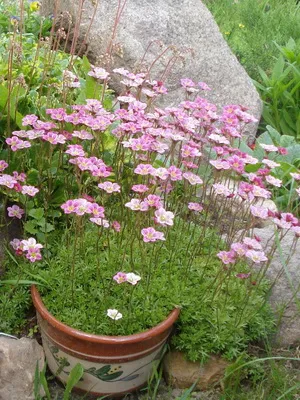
column 101, row 378
column 112, row 365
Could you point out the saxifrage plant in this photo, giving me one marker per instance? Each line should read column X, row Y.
column 134, row 231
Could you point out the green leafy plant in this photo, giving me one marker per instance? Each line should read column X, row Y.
column 41, row 383
column 280, row 91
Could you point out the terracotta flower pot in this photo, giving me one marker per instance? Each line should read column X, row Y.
column 113, row 365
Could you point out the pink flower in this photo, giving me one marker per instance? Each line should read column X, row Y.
column 269, row 147
column 144, row 169
column 218, row 138
column 187, row 82
column 96, row 210
column 58, row 114
column 153, row 201
column 257, row 191
column 29, row 119
column 30, row 190
column 227, row 257
column 164, row 217
column 243, row 275
column 139, row 188
column 116, row 226
column 282, row 151
column 270, row 163
column 195, row 207
column 192, row 178
column 296, row 230
column 188, row 151
column 98, row 73
column 109, row 187
column 8, row 181
column 3, row 165
column 236, row 163
column 84, row 135
column 120, row 277
column 69, row 206
column 161, row 173
column 17, row 245
column 75, row 150
column 83, row 207
column 220, row 164
column 252, row 243
column 259, row 212
column 298, row 191
column 221, row 189
column 54, row 138
column 16, row 144
column 175, row 173
column 273, row 181
column 256, row 256
column 33, row 254
column 151, row 235
column 19, row 177
column 100, row 222
column 137, row 205
column 15, row 211
column 239, row 248
column 295, row 175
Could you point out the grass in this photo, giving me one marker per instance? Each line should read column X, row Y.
column 252, row 26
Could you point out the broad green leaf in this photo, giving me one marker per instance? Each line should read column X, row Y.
column 287, row 141
column 19, row 282
column 30, row 227
column 265, row 138
column 275, row 135
column 36, row 213
column 86, row 65
column 74, row 377
column 278, row 69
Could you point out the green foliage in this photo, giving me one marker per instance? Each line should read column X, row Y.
column 219, row 312
column 15, row 302
column 280, row 91
column 10, row 19
column 270, row 378
column 252, row 28
column 285, row 197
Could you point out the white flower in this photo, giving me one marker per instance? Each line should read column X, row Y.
column 269, row 147
column 270, row 163
column 273, row 181
column 31, row 244
column 114, row 314
column 132, row 278
column 164, row 217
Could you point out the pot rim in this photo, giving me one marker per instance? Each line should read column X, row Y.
column 105, row 339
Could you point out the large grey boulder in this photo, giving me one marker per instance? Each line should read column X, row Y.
column 18, row 360
column 184, row 23
column 285, row 294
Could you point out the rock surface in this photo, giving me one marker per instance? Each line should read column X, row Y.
column 18, row 359
column 181, row 373
column 285, row 295
column 187, row 24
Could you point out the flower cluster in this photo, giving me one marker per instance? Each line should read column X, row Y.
column 30, row 247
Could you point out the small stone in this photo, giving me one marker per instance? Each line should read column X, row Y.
column 18, row 360
column 182, row 374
